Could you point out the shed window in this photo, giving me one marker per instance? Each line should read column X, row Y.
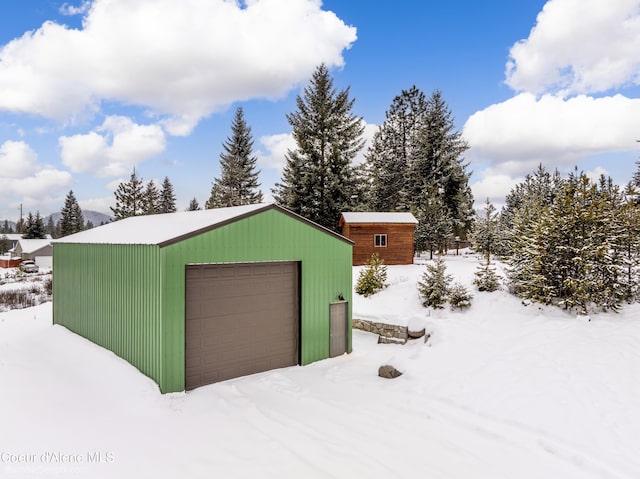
column 380, row 241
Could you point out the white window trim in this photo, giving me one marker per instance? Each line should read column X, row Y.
column 381, row 236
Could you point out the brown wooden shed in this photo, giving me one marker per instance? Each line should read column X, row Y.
column 388, row 234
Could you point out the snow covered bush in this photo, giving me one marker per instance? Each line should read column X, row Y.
column 459, row 296
column 434, row 287
column 372, row 278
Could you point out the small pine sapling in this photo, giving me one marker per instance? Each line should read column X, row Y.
column 434, row 287
column 372, row 278
column 459, row 297
column 486, row 277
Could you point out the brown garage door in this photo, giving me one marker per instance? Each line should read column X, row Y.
column 241, row 319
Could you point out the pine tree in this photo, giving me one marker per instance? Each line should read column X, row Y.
column 319, row 181
column 150, row 199
column 34, row 227
column 486, row 278
column 4, row 243
column 193, row 205
column 71, row 217
column 459, row 296
column 89, row 225
column 238, row 184
column 439, row 159
column 393, row 151
column 435, row 225
column 6, row 228
column 434, row 287
column 51, row 228
column 485, row 236
column 167, row 202
column 373, row 277
column 129, row 198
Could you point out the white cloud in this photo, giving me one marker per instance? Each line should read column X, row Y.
column 276, row 147
column 24, row 181
column 578, row 46
column 17, row 159
column 113, row 148
column 495, row 186
column 595, row 174
column 67, row 9
column 522, row 132
column 98, row 204
column 182, row 59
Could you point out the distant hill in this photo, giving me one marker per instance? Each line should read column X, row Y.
column 95, row 217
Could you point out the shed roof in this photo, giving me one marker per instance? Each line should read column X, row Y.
column 379, row 217
column 168, row 228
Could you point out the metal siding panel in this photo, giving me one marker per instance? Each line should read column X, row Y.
column 110, row 295
column 268, row 236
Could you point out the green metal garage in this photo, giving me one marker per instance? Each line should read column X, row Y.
column 197, row 297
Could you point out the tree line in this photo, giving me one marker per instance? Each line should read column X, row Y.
column 572, row 242
column 414, row 164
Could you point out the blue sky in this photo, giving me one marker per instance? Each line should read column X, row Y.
column 90, row 89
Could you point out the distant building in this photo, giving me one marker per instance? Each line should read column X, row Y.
column 388, row 234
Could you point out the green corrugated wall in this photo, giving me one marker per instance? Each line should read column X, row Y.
column 110, row 294
column 134, row 300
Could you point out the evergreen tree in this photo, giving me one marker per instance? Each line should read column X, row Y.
column 6, row 228
column 71, row 217
column 415, row 151
column 167, row 202
column 434, row 287
column 439, row 159
column 319, row 181
column 89, row 225
column 393, row 150
column 238, row 184
column 486, row 278
column 459, row 296
column 129, row 198
column 571, row 251
column 34, row 227
column 435, row 225
column 193, row 205
column 485, row 236
column 373, row 277
column 4, row 243
column 51, row 228
column 150, row 199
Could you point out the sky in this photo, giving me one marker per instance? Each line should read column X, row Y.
column 91, row 89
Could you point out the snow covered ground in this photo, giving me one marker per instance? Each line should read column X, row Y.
column 501, row 390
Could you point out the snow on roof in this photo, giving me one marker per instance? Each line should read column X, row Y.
column 378, row 217
column 32, row 245
column 160, row 228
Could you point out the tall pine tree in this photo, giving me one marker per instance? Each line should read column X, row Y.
column 319, row 180
column 167, row 202
column 129, row 198
column 415, row 153
column 71, row 217
column 150, row 199
column 238, row 183
column 393, row 150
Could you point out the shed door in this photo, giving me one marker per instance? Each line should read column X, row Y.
column 241, row 318
column 338, row 315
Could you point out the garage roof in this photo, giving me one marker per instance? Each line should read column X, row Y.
column 168, row 228
column 378, row 217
